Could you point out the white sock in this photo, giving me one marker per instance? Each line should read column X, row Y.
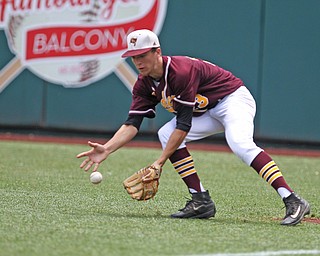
column 283, row 192
column 192, row 191
column 202, row 188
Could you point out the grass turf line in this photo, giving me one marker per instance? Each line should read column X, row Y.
column 49, row 207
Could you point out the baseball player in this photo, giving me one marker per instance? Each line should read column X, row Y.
column 205, row 100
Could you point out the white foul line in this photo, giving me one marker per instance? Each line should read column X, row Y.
column 271, row 253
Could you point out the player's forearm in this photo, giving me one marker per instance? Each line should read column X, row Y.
column 124, row 135
column 174, row 142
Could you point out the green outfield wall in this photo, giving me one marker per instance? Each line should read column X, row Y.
column 273, row 45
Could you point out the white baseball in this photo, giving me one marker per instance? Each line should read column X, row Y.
column 96, row 177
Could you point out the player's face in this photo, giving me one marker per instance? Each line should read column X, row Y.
column 147, row 63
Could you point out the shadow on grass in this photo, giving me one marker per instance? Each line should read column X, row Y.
column 215, row 220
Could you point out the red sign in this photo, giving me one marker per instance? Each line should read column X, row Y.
column 74, row 42
column 79, row 41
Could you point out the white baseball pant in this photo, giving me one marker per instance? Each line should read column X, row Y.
column 234, row 115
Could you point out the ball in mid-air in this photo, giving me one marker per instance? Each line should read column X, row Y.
column 96, row 177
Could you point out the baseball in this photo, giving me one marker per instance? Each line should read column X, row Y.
column 96, row 177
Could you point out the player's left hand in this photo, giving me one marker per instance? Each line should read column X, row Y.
column 143, row 184
column 95, row 156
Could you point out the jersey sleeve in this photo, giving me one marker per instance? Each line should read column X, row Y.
column 135, row 121
column 143, row 102
column 184, row 117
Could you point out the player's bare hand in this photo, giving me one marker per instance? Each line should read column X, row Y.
column 95, row 156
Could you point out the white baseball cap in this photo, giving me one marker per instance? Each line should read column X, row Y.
column 140, row 41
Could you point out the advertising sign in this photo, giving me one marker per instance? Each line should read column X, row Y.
column 74, row 42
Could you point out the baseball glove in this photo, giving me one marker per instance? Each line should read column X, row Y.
column 143, row 184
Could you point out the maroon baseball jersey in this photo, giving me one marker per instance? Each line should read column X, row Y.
column 188, row 81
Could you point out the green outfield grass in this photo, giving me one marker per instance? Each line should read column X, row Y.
column 49, row 207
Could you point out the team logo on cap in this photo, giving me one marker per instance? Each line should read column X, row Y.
column 133, row 41
column 74, row 43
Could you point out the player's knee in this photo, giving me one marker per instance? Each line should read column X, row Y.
column 163, row 136
column 165, row 132
column 246, row 151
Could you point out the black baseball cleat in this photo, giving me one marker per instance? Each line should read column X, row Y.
column 296, row 209
column 199, row 207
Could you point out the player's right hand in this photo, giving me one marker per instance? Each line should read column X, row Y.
column 95, row 156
